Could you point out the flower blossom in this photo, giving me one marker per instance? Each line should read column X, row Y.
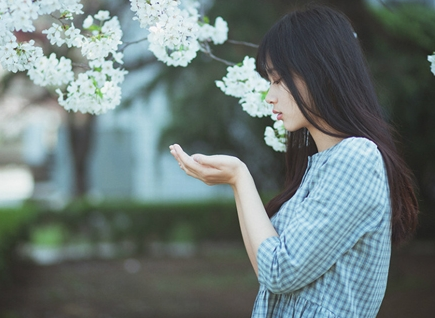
column 149, row 12
column 19, row 56
column 276, row 137
column 104, row 41
column 98, row 89
column 174, row 31
column 95, row 91
column 18, row 15
column 242, row 81
column 173, row 35
column 54, row 34
column 51, row 71
column 69, row 7
column 431, row 59
column 217, row 33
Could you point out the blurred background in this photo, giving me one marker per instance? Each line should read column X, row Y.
column 97, row 219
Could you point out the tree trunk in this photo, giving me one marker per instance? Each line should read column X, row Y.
column 81, row 131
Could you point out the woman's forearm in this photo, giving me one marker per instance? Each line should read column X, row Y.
column 254, row 222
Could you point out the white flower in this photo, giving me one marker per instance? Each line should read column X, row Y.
column 48, row 6
column 7, row 38
column 64, row 6
column 87, row 23
column 51, row 71
column 173, row 31
column 218, row 33
column 96, row 91
column 149, row 12
column 104, row 43
column 19, row 56
column 72, row 6
column 73, row 37
column 242, row 81
column 54, row 34
column 102, row 15
column 221, row 31
column 254, row 105
column 18, row 15
column 118, row 57
column 431, row 59
column 276, row 137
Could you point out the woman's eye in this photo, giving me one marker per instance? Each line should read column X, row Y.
column 276, row 81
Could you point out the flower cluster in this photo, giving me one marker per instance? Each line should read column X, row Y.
column 17, row 57
column 51, row 71
column 175, row 34
column 94, row 90
column 97, row 89
column 104, row 39
column 276, row 137
column 242, row 81
column 217, row 34
column 431, row 59
column 19, row 16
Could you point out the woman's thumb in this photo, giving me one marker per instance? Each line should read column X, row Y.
column 198, row 158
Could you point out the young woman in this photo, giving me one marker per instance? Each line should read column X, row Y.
column 321, row 248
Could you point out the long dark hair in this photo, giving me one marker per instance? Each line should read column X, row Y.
column 318, row 45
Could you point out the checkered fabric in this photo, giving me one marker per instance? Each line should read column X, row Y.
column 332, row 255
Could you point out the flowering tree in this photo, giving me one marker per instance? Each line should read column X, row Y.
column 96, row 88
column 176, row 33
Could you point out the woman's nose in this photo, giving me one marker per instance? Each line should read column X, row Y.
column 270, row 99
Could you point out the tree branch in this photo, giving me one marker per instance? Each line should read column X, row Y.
column 385, row 5
column 205, row 48
column 81, row 65
column 127, row 44
column 255, row 46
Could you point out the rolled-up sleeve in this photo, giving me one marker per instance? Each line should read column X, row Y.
column 346, row 201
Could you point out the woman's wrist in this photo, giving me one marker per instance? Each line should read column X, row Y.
column 241, row 176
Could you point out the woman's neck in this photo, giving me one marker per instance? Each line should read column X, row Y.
column 324, row 141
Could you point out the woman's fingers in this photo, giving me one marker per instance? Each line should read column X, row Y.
column 186, row 162
column 216, row 169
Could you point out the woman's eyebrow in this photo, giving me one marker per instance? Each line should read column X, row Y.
column 272, row 72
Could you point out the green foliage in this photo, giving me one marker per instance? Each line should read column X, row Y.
column 48, row 235
column 407, row 88
column 115, row 222
column 414, row 23
column 14, row 225
column 139, row 223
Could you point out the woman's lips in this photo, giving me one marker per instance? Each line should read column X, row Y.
column 278, row 115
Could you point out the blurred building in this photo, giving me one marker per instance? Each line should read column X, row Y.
column 124, row 161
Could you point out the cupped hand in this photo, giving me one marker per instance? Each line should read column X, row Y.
column 217, row 169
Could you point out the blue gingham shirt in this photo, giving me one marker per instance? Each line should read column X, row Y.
column 332, row 255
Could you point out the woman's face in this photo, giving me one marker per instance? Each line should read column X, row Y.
column 284, row 104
